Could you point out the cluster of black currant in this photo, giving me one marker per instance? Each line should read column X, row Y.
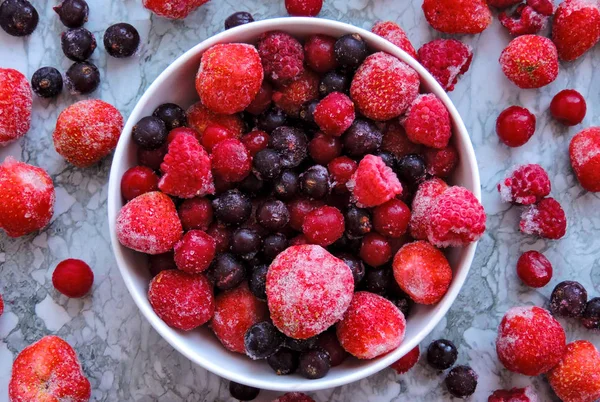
column 461, row 381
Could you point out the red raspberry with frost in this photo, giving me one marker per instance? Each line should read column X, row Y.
column 173, row 9
column 427, row 122
column 577, row 377
column 294, row 397
column 526, row 394
column 523, row 21
column 392, row 32
column 546, row 219
column 456, row 219
column 446, row 60
column 530, row 341
column 406, row 362
column 530, row 61
column 544, row 7
column 457, row 16
column 373, row 183
column 576, row 28
column 282, row 56
column 334, row 114
column 441, row 162
column 422, row 204
column 15, row 105
column 292, row 96
column 229, row 77
column 87, row 131
column 526, row 185
column 183, row 301
column 371, row 327
column 200, row 117
column 27, row 201
column 308, row 290
column 186, row 169
column 231, row 161
column 396, row 141
column 383, row 87
column 236, row 310
column 194, row 252
column 503, row 3
column 584, row 151
column 149, row 224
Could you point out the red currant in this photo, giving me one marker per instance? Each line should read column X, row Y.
column 568, row 107
column 73, row 278
column 299, row 208
column 375, row 250
column 323, row 226
column 180, row 130
column 341, row 170
column 151, row 158
column 391, row 219
column 319, row 53
column 255, row 141
column 303, row 8
column 161, row 262
column 215, row 134
column 441, row 162
column 262, row 101
column 534, row 269
column 137, row 181
column 515, row 126
column 231, row 161
column 221, row 234
column 323, row 148
column 195, row 213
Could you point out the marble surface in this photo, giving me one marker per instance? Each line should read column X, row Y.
column 124, row 357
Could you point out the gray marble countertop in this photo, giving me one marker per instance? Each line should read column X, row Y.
column 124, row 357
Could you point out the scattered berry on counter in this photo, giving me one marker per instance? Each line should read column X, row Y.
column 395, row 141
column 584, row 151
column 15, row 105
column 350, row 51
column 121, row 40
column 373, row 183
column 392, row 32
column 195, row 213
column 323, row 226
column 73, row 13
column 524, row 20
column 568, row 107
column 292, row 96
column 314, row 363
column 534, row 269
column 461, row 381
column 422, row 204
column 544, row 7
column 18, row 17
column 427, row 122
column 173, row 9
column 194, row 252
column 334, row 114
column 262, row 340
column 237, row 19
column 375, row 250
column 150, row 132
column 73, row 278
column 568, row 299
column 161, row 262
column 172, row 115
column 590, row 318
column 391, row 219
column 226, row 272
column 231, row 161
column 441, row 162
column 137, row 181
column 545, row 219
column 47, row 82
column 319, row 53
column 457, row 16
column 82, row 78
column 406, row 362
column 526, row 185
column 243, row 392
column 282, row 56
column 526, row 394
column 199, row 118
column 530, row 61
column 303, row 8
column 577, row 375
column 323, row 148
column 575, row 28
column 284, row 362
column 446, row 60
column 515, row 126
column 294, row 397
column 441, row 354
column 78, row 44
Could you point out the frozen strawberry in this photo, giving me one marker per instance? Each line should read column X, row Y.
column 534, row 269
column 457, row 16
column 446, row 60
column 503, row 3
column 229, row 77
column 323, row 226
column 545, row 219
column 282, row 56
column 396, row 141
column 87, row 131
column 441, row 162
column 383, row 87
column 577, row 377
column 373, row 183
column 231, row 161
column 149, row 223
column 294, row 397
column 576, row 28
column 371, row 327
column 530, row 341
column 27, row 201
column 48, row 370
column 427, row 122
column 422, row 204
column 194, row 252
column 73, row 278
column 200, row 117
column 15, row 105
column 186, row 169
column 292, row 96
column 173, row 9
column 392, row 32
column 456, row 218
column 530, row 61
column 183, row 301
column 584, row 151
column 514, row 395
column 407, row 361
column 308, row 290
column 195, row 213
column 236, row 310
column 422, row 271
column 523, row 21
column 526, row 185
column 334, row 114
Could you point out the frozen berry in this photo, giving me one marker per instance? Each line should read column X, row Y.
column 232, row 207
column 568, row 107
column 334, row 81
column 243, row 392
column 568, row 299
column 584, row 151
column 137, row 181
column 161, row 262
column 261, row 101
column 446, row 60
column 502, row 4
column 273, row 245
column 231, row 161
column 273, row 215
column 388, row 158
column 515, row 126
column 199, row 117
column 151, row 158
column 427, row 122
column 291, row 97
column 300, row 345
column 441, row 354
column 411, row 168
column 255, row 141
column 307, row 113
column 282, row 56
column 461, row 381
column 73, row 13
column 577, row 376
column 350, row 50
column 194, row 252
column 530, row 61
column 303, row 8
column 214, row 135
column 266, row 164
column 226, row 272
column 323, row 226
column 78, row 44
column 441, row 162
column 378, row 280
column 524, row 20
column 545, row 219
column 401, row 300
column 375, row 250
column 314, row 182
column 362, row 137
column 237, row 19
column 291, row 144
column 392, row 32
column 328, row 341
column 526, row 185
column 323, row 148
column 173, row 9
column 73, row 278
column 294, row 397
column 272, row 119
column 1, row 305
column 575, row 28
column 262, row 340
column 526, row 394
column 341, row 170
column 18, row 17
column 458, row 16
column 534, row 269
column 314, row 364
column 82, row 78
column 287, row 185
column 406, row 362
column 121, row 40
column 284, row 362
column 150, row 132
column 422, row 204
column 356, row 266
column 334, row 114
column 299, row 208
column 391, row 219
column 395, row 141
column 195, row 213
column 245, row 243
column 221, row 234
column 319, row 51
column 358, row 222
column 257, row 281
column 373, row 183
column 47, row 82
column 590, row 318
column 15, row 105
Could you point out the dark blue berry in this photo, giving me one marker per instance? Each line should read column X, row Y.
column 150, row 133
column 47, row 82
column 237, row 19
column 350, row 50
column 441, row 354
column 243, row 392
column 78, row 44
column 18, row 17
column 173, row 115
column 73, row 13
column 82, row 78
column 262, row 340
column 121, row 40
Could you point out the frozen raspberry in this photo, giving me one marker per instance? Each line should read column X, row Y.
column 515, row 126
column 341, row 170
column 371, row 327
column 149, row 223
column 576, row 28
column 186, row 169
column 441, row 162
column 391, row 219
column 523, row 21
column 422, row 204
column 292, row 96
column 319, row 53
column 334, row 114
column 48, row 370
column 299, row 208
column 534, row 269
column 514, row 395
column 392, row 32
column 373, row 183
column 501, row 4
column 87, row 131
column 530, row 341
column 530, row 61
column 73, row 278
column 446, row 60
column 183, row 301
column 427, row 122
column 457, row 16
column 211, row 137
column 294, row 397
column 27, row 201
column 375, row 250
column 137, row 181
column 323, row 148
column 195, row 213
column 308, row 290
column 383, row 87
column 545, row 219
column 577, row 376
column 255, row 141
column 526, row 185
column 584, row 151
column 200, row 117
column 173, row 9
column 396, row 141
column 15, row 105
column 568, row 107
column 303, row 8
column 422, row 271
column 194, row 252
column 407, row 361
column 323, row 226
column 456, row 218
column 236, row 310
column 231, row 161
column 282, row 56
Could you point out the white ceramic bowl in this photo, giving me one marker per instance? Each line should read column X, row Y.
column 176, row 84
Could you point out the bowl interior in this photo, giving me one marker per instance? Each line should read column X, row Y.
column 176, row 84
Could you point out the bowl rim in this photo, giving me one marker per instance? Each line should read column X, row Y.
column 114, row 203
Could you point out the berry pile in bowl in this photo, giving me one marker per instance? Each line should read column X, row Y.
column 294, row 204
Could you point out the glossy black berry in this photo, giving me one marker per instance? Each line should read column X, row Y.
column 257, row 281
column 82, row 78
column 358, row 222
column 590, row 318
column 314, row 182
column 334, row 81
column 121, row 40
column 245, row 243
column 284, row 362
column 78, row 44
column 18, row 17
column 403, row 302
column 356, row 266
column 350, row 50
column 274, row 244
column 237, row 19
column 271, row 119
column 173, row 115
column 363, row 137
column 47, row 82
column 232, row 207
column 267, row 164
column 307, row 113
column 287, row 185
column 243, row 392
column 291, row 144
column 262, row 340
column 73, row 13
column 411, row 168
column 251, row 184
column 150, row 133
column 388, row 158
column 273, row 215
column 314, row 363
column 568, row 299
column 441, row 354
column 300, row 345
column 461, row 381
column 377, row 280
column 226, row 271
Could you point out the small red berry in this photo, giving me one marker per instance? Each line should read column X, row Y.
column 391, row 219
column 73, row 278
column 255, row 141
column 194, row 252
column 335, row 114
column 568, row 107
column 375, row 250
column 151, row 158
column 515, row 126
column 231, row 161
column 161, row 262
column 137, row 181
column 407, row 361
column 441, row 162
column 323, row 148
column 221, row 234
column 584, row 151
column 214, row 135
column 303, row 8
column 323, row 226
column 319, row 53
column 181, row 130
column 1, row 305
column 195, row 213
column 341, row 170
column 299, row 208
column 262, row 101
column 546, row 219
column 534, row 269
